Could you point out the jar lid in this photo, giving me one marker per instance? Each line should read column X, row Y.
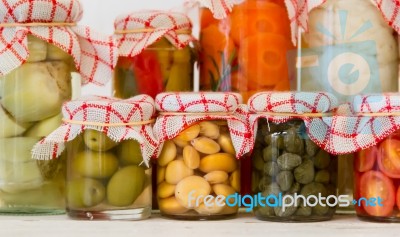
column 55, row 22
column 198, row 102
column 293, row 102
column 138, row 30
column 119, row 119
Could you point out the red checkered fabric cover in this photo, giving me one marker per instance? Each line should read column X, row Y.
column 209, row 106
column 94, row 54
column 299, row 10
column 361, row 130
column 219, row 8
column 103, row 110
column 318, row 128
column 175, row 27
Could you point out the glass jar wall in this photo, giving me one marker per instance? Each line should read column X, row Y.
column 31, row 99
column 160, row 67
column 247, row 51
column 197, row 171
column 107, row 180
column 377, row 181
column 288, row 168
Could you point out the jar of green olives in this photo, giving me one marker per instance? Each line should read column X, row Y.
column 36, row 77
column 155, row 54
column 109, row 143
column 197, row 167
column 294, row 177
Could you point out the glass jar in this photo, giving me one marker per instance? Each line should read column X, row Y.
column 107, row 180
column 349, row 49
column 247, row 51
column 31, row 99
column 377, row 181
column 296, row 177
column 197, row 171
column 159, row 65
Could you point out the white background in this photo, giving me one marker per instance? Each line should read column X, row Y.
column 100, row 15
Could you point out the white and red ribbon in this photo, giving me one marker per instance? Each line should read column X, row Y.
column 138, row 30
column 103, row 110
column 94, row 54
column 191, row 108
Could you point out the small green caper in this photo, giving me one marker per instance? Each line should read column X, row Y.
column 272, row 189
column 271, row 168
column 296, row 187
column 322, row 160
column 257, row 160
column 275, row 140
column 270, row 153
column 322, row 176
column 304, row 211
column 289, row 161
column 304, row 174
column 311, row 148
column 289, row 210
column 264, row 182
column 255, row 181
column 293, row 142
column 285, row 180
column 320, row 210
column 314, row 189
column 264, row 211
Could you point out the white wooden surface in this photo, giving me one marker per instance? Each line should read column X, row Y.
column 245, row 225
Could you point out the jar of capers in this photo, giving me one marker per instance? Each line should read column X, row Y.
column 108, row 152
column 197, row 169
column 296, row 178
column 155, row 54
column 40, row 52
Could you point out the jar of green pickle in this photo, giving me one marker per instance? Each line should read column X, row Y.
column 295, row 179
column 41, row 50
column 198, row 167
column 109, row 144
column 155, row 54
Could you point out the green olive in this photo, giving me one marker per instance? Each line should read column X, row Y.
column 98, row 141
column 125, row 186
column 84, row 192
column 95, row 164
column 129, row 152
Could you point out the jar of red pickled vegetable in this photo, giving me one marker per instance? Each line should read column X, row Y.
column 245, row 51
column 155, row 53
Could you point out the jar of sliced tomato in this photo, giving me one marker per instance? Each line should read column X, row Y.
column 247, row 50
column 155, row 54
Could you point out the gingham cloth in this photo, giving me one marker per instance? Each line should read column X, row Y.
column 318, row 128
column 103, row 110
column 175, row 27
column 362, row 129
column 299, row 10
column 219, row 8
column 94, row 54
column 207, row 104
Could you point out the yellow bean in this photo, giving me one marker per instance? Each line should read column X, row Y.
column 191, row 191
column 171, row 206
column 220, row 161
column 168, row 153
column 211, row 208
column 209, row 129
column 190, row 133
column 223, row 189
column 235, row 180
column 191, row 157
column 176, row 171
column 226, row 144
column 216, row 177
column 160, row 174
column 165, row 190
column 205, row 145
column 229, row 210
column 180, row 143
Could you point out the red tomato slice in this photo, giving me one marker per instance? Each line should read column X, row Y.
column 389, row 158
column 374, row 184
column 365, row 159
column 398, row 198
